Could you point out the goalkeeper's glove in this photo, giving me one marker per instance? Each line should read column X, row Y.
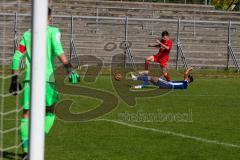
column 74, row 77
column 15, row 86
column 72, row 74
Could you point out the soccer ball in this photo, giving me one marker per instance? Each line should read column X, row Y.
column 118, row 77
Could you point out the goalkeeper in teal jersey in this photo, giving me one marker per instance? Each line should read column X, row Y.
column 54, row 49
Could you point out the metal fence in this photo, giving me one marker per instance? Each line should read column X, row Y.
column 105, row 36
column 206, row 2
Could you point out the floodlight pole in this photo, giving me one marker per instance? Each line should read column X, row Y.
column 38, row 81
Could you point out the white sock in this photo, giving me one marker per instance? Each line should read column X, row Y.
column 137, row 87
column 134, row 77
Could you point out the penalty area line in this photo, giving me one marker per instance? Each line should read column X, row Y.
column 173, row 134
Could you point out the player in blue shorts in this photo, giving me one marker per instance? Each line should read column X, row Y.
column 161, row 83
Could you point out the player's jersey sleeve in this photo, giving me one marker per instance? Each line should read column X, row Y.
column 163, row 84
column 170, row 43
column 56, row 42
column 180, row 84
column 19, row 54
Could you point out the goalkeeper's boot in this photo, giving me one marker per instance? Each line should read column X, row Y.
column 25, row 156
column 144, row 72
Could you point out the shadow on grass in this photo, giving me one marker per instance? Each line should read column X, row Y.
column 11, row 155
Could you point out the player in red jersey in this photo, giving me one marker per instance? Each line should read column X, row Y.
column 162, row 57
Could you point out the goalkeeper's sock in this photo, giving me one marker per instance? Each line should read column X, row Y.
column 49, row 120
column 138, row 86
column 24, row 134
column 146, row 65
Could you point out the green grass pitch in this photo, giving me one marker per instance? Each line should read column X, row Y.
column 211, row 132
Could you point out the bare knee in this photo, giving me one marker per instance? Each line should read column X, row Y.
column 150, row 58
column 164, row 70
column 50, row 109
column 164, row 73
column 25, row 113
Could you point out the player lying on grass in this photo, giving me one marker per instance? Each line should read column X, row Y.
column 54, row 49
column 161, row 83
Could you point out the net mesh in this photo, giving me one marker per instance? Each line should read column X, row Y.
column 10, row 106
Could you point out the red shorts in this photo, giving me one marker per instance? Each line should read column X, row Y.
column 162, row 62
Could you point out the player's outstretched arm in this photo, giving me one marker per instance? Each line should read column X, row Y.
column 154, row 45
column 72, row 74
column 187, row 72
column 162, row 45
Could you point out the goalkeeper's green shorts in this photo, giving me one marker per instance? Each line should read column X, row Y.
column 52, row 95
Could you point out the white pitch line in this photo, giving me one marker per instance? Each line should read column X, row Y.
column 168, row 132
column 173, row 133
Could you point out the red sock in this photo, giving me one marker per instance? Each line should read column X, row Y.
column 146, row 65
column 167, row 77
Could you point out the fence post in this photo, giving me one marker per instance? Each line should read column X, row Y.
column 125, row 41
column 15, row 41
column 151, row 22
column 15, row 33
column 194, row 25
column 126, row 30
column 229, row 44
column 97, row 20
column 71, row 38
column 178, row 42
column 73, row 52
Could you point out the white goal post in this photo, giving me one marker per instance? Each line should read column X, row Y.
column 38, row 61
